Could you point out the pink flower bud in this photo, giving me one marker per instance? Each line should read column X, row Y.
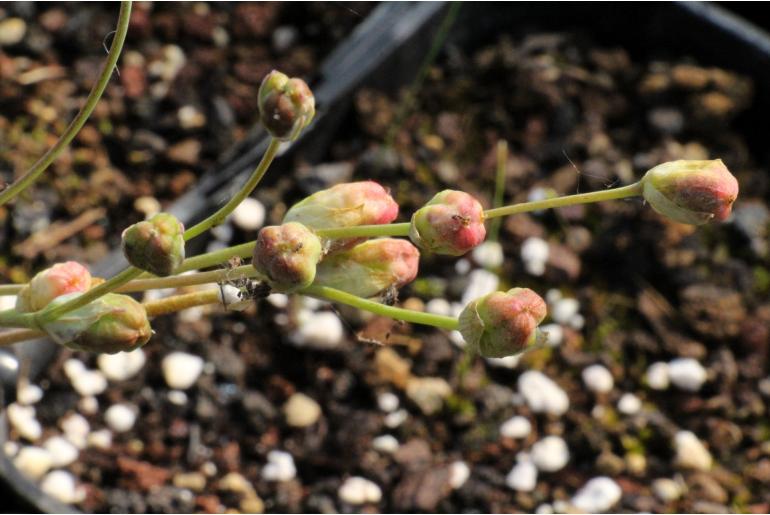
column 155, row 245
column 286, row 105
column 287, row 256
column 370, row 267
column 60, row 279
column 345, row 205
column 452, row 223
column 691, row 192
column 503, row 323
column 112, row 323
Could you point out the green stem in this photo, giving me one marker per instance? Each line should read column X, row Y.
column 502, row 161
column 12, row 318
column 31, row 175
column 358, row 231
column 256, row 176
column 217, row 257
column 11, row 289
column 418, row 317
column 179, row 281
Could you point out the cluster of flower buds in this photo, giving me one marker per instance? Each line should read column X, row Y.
column 286, row 105
column 691, row 192
column 60, row 279
column 452, row 223
column 112, row 323
column 155, row 245
column 287, row 255
column 503, row 323
column 371, row 267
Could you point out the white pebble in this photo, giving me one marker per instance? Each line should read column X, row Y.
column 462, row 266
column 577, row 322
column 301, row 410
column 279, row 467
column 550, row 454
column 61, row 485
column 177, row 397
column 24, row 421
column 666, row 489
column 387, row 444
column 459, row 472
column 489, row 254
column 516, row 427
column 509, row 362
column 597, row 495
column 28, row 393
column 76, row 429
column 321, row 330
column 657, row 376
column 88, row 405
column 686, row 373
column 33, row 462
column 249, row 215
column 101, row 439
column 480, row 283
column 563, row 310
column 629, row 404
column 534, row 254
column 61, row 450
column 278, row 300
column 541, row 394
column 358, row 490
column 72, row 367
column 544, row 509
column 190, row 118
column 122, row 365
column 283, row 38
column 522, row 477
column 181, row 370
column 120, row 417
column 396, row 418
column 387, row 402
column 230, row 297
column 555, row 333
column 597, row 378
column 690, row 452
column 552, row 295
column 439, row 306
column 89, row 382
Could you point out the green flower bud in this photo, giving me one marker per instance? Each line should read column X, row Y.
column 112, row 323
column 287, row 256
column 502, row 324
column 451, row 223
column 155, row 245
column 286, row 105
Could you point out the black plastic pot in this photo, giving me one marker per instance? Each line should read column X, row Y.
column 386, row 51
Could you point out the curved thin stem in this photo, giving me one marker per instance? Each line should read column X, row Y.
column 31, row 175
column 178, row 281
column 180, row 302
column 359, row 231
column 217, row 257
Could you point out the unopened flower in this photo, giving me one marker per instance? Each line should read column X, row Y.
column 112, row 323
column 155, row 245
column 452, row 223
column 502, row 324
column 345, row 205
column 691, row 192
column 287, row 256
column 60, row 279
column 286, row 105
column 371, row 267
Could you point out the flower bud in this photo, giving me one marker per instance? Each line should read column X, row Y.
column 287, row 256
column 112, row 323
column 155, row 245
column 60, row 279
column 452, row 223
column 370, row 267
column 286, row 106
column 691, row 192
column 502, row 324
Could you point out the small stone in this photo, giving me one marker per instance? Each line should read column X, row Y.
column 283, row 38
column 544, row 509
column 28, row 393
column 301, row 411
column 657, row 376
column 236, row 483
column 541, row 394
column 509, row 362
column 687, row 374
column 667, row 490
column 489, row 254
column 33, row 462
column 120, row 417
column 396, row 418
column 89, row 382
column 181, row 370
column 690, row 452
column 148, row 206
column 629, row 404
column 100, row 439
column 428, row 393
column 516, row 427
column 459, row 472
column 88, row 405
column 480, row 282
column 550, row 454
column 439, row 306
column 386, row 444
column 177, row 397
column 76, row 429
column 280, row 467
column 190, row 118
column 252, row 504
column 72, row 367
column 24, row 421
column 185, row 152
column 387, row 402
column 522, row 477
column 358, row 490
column 194, row 481
column 249, row 215
column 598, row 379
column 555, row 334
column 597, row 495
column 122, row 365
column 563, row 310
column 534, row 254
column 61, row 485
column 10, row 448
column 12, row 31
column 61, row 450
column 322, row 330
